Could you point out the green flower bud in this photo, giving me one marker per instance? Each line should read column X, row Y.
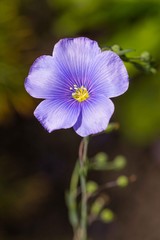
column 122, row 181
column 107, row 215
column 145, row 56
column 119, row 162
column 98, row 205
column 91, row 187
column 100, row 159
column 116, row 48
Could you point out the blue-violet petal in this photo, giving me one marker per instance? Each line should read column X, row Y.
column 109, row 75
column 94, row 117
column 55, row 115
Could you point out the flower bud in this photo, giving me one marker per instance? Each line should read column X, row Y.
column 116, row 48
column 101, row 159
column 91, row 187
column 122, row 181
column 145, row 56
column 107, row 215
column 119, row 162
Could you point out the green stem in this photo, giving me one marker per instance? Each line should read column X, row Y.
column 71, row 202
column 83, row 175
column 83, row 223
column 79, row 223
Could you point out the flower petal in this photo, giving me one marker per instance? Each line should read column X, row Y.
column 56, row 114
column 94, row 116
column 74, row 57
column 109, row 75
column 41, row 81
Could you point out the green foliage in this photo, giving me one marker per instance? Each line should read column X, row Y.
column 14, row 34
column 142, row 116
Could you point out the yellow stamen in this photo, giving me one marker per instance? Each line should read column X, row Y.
column 80, row 94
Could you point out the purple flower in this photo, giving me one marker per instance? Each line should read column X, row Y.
column 77, row 82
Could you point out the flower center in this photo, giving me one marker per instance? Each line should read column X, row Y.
column 80, row 94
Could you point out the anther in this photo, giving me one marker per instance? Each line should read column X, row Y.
column 80, row 94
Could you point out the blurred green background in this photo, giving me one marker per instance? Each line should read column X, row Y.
column 35, row 166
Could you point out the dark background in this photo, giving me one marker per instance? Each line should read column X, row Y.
column 35, row 166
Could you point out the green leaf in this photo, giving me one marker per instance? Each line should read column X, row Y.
column 123, row 52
